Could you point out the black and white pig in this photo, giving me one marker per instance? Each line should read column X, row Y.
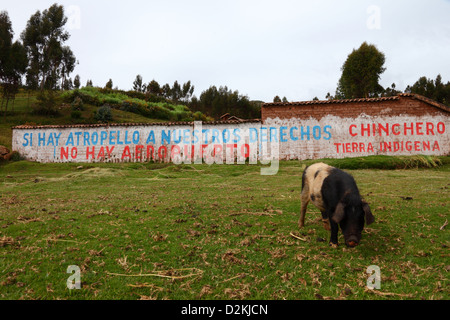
column 336, row 195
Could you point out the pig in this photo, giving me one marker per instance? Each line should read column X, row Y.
column 336, row 195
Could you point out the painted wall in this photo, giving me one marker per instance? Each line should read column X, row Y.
column 406, row 124
column 388, row 126
column 330, row 137
column 184, row 143
column 335, row 137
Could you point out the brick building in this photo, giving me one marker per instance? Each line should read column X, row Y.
column 405, row 124
column 403, row 104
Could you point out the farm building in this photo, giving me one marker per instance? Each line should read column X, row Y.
column 405, row 124
column 403, row 104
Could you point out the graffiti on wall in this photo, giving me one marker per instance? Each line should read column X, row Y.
column 368, row 135
column 331, row 137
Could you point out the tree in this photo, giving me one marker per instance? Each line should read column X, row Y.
column 276, row 99
column 216, row 102
column 166, row 91
column 137, row 84
column 76, row 82
column 6, row 35
column 187, row 91
column 361, row 73
column 435, row 90
column 67, row 66
column 175, row 92
column 154, row 88
column 89, row 83
column 390, row 91
column 109, row 84
column 49, row 60
column 440, row 92
column 423, row 86
column 13, row 61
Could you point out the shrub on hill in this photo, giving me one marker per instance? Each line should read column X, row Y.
column 156, row 108
column 46, row 104
column 103, row 114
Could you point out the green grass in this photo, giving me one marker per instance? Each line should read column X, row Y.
column 160, row 231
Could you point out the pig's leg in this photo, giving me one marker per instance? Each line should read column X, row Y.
column 305, row 201
column 325, row 220
column 334, row 233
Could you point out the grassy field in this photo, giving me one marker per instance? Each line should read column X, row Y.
column 156, row 231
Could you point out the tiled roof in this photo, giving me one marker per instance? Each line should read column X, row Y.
column 380, row 99
column 426, row 100
column 299, row 103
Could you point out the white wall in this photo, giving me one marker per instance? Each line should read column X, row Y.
column 331, row 137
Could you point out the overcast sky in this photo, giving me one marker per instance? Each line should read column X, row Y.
column 261, row 48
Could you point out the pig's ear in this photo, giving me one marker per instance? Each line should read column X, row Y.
column 368, row 214
column 339, row 213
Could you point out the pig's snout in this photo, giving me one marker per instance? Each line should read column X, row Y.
column 352, row 242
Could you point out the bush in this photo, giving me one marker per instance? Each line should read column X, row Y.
column 103, row 114
column 199, row 116
column 77, row 104
column 137, row 106
column 111, row 100
column 159, row 112
column 46, row 104
column 15, row 156
column 168, row 106
column 129, row 106
column 150, row 97
column 150, row 107
column 86, row 96
column 184, row 116
column 75, row 114
column 136, row 94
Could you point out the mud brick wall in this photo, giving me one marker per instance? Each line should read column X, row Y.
column 389, row 106
column 402, row 125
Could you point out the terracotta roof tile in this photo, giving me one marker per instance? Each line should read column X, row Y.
column 272, row 104
column 380, row 99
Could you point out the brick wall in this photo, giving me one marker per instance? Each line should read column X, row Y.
column 402, row 125
column 390, row 106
